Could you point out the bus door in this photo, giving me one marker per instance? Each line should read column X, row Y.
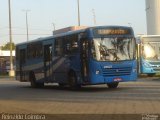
column 138, row 55
column 84, row 59
column 48, row 62
column 22, row 60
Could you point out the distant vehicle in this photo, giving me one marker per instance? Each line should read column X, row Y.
column 7, row 66
column 2, row 70
column 94, row 55
column 149, row 54
column 5, row 61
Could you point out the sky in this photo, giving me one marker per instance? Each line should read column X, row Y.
column 44, row 14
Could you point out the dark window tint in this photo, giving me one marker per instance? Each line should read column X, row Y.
column 59, row 46
column 71, row 44
column 34, row 50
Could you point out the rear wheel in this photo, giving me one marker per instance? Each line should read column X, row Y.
column 73, row 81
column 113, row 85
column 33, row 82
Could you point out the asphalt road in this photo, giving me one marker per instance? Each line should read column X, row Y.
column 141, row 97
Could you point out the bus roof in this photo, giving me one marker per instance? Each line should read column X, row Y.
column 82, row 29
column 68, row 29
column 35, row 40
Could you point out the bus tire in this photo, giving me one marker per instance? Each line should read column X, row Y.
column 61, row 84
column 33, row 82
column 151, row 75
column 113, row 85
column 72, row 80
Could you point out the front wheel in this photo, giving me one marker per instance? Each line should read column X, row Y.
column 61, row 84
column 72, row 79
column 113, row 85
column 151, row 75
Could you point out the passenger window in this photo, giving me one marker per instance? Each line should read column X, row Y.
column 71, row 46
column 34, row 51
column 48, row 53
column 22, row 56
column 59, row 47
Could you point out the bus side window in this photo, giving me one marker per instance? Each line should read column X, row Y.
column 22, row 56
column 71, row 45
column 48, row 53
column 17, row 54
column 59, row 47
column 34, row 51
column 67, row 47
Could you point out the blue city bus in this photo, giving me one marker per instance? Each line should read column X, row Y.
column 148, row 54
column 91, row 56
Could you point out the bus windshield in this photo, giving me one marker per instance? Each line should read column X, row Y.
column 113, row 49
column 148, row 52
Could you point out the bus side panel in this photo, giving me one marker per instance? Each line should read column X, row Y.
column 66, row 58
column 60, row 69
column 35, row 66
column 63, row 65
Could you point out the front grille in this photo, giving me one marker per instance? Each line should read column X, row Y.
column 154, row 63
column 117, row 71
column 157, row 69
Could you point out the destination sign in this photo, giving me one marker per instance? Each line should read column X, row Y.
column 112, row 31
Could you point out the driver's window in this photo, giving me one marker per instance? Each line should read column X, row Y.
column 95, row 50
column 85, row 48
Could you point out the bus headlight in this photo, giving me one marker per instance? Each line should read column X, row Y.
column 97, row 72
column 134, row 70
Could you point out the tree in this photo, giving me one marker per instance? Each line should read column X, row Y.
column 7, row 46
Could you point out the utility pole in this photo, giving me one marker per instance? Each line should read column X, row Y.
column 26, row 11
column 79, row 23
column 54, row 26
column 11, row 72
column 130, row 24
column 94, row 16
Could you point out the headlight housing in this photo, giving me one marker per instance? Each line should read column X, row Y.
column 97, row 72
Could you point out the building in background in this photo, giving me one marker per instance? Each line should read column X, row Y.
column 153, row 17
column 5, row 61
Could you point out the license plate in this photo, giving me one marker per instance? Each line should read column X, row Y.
column 117, row 79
